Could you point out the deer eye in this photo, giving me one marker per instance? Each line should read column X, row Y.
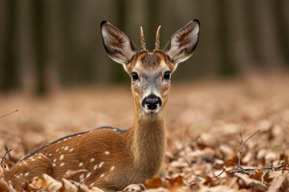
column 167, row 75
column 134, row 76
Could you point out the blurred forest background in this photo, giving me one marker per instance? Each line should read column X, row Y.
column 48, row 44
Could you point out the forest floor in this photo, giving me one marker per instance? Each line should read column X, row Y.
column 205, row 119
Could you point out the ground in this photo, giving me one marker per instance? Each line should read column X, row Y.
column 205, row 119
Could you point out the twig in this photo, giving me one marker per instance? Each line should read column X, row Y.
column 248, row 171
column 242, row 145
column 9, row 113
column 4, row 157
column 221, row 173
column 239, row 168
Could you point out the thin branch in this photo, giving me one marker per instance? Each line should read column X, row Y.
column 221, row 173
column 4, row 157
column 242, row 145
column 9, row 113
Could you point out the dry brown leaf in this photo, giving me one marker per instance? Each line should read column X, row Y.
column 250, row 182
column 51, row 184
column 176, row 182
column 229, row 174
column 36, row 183
column 208, row 180
column 68, row 186
column 96, row 189
column 267, row 178
column 134, row 188
column 153, row 183
column 280, row 183
column 258, row 175
column 84, row 188
column 220, row 188
column 232, row 162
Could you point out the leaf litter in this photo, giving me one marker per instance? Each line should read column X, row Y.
column 210, row 140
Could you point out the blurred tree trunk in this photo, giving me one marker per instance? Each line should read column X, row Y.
column 228, row 63
column 9, row 72
column 52, row 40
column 67, row 50
column 24, row 48
column 121, row 12
column 153, row 21
column 252, row 32
column 267, row 32
column 240, row 44
column 282, row 32
column 207, row 52
column 38, row 31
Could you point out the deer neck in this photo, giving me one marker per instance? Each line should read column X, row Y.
column 148, row 142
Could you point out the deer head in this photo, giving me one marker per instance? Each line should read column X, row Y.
column 150, row 71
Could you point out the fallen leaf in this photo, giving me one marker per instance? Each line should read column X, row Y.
column 51, row 184
column 176, row 182
column 155, row 182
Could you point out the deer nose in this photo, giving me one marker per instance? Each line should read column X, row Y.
column 152, row 102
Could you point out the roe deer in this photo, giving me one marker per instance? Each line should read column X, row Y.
column 110, row 158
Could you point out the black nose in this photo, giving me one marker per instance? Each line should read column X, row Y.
column 152, row 102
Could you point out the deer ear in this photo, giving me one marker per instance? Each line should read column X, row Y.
column 117, row 45
column 183, row 42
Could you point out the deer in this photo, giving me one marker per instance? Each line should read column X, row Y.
column 110, row 158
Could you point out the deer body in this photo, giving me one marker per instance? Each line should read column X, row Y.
column 109, row 158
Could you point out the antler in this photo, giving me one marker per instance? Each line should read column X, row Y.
column 157, row 44
column 142, row 40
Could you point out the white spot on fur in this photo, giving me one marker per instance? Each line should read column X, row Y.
column 31, row 160
column 65, row 149
column 88, row 174
column 114, row 129
column 57, row 150
column 81, row 178
column 25, row 163
column 70, row 150
column 92, row 159
column 101, row 175
column 54, row 160
column 80, row 164
column 61, row 164
column 50, row 154
column 61, row 157
column 107, row 152
column 101, row 164
column 112, row 168
column 95, row 167
column 26, row 174
column 53, row 164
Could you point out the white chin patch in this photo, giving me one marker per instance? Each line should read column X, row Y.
column 151, row 111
